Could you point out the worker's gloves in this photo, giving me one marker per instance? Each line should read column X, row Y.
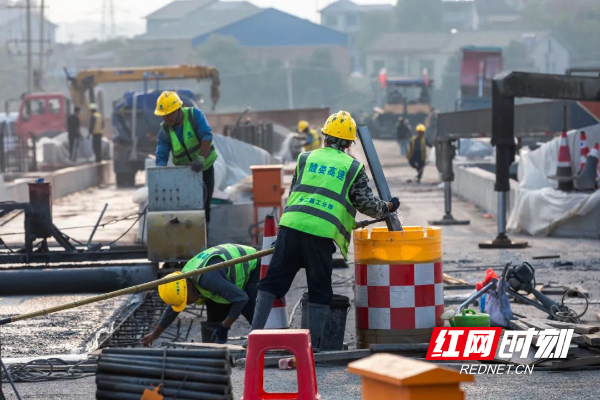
column 220, row 335
column 396, row 204
column 198, row 164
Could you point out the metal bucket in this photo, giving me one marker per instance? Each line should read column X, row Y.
column 399, row 289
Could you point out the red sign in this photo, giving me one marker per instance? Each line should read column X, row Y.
column 463, row 344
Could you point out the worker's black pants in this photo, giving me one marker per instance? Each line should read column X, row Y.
column 73, row 145
column 97, row 145
column 295, row 250
column 208, row 177
column 419, row 166
column 217, row 312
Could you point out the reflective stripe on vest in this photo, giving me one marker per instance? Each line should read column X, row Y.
column 184, row 154
column 239, row 274
column 319, row 203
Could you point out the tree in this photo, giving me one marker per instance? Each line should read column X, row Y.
column 445, row 97
column 576, row 23
column 419, row 15
column 517, row 58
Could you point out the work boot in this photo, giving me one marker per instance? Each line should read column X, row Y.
column 317, row 317
column 262, row 309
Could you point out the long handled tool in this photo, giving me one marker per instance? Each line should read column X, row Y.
column 392, row 221
column 137, row 288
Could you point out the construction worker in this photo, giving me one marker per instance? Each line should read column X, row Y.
column 403, row 135
column 74, row 133
column 96, row 130
column 313, row 141
column 327, row 189
column 227, row 293
column 186, row 134
column 417, row 151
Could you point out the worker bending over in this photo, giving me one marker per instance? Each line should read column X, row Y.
column 186, row 134
column 227, row 293
column 313, row 140
column 417, row 151
column 327, row 189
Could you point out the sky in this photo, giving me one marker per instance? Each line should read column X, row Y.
column 77, row 18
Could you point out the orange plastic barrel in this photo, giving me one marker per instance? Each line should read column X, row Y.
column 399, row 288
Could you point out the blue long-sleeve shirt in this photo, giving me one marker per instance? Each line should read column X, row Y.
column 163, row 147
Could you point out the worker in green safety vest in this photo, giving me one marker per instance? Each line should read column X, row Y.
column 186, row 135
column 328, row 188
column 227, row 293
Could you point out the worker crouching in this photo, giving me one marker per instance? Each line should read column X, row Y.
column 328, row 188
column 227, row 293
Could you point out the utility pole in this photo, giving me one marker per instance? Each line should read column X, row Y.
column 112, row 19
column 42, row 38
column 103, row 23
column 290, row 93
column 29, row 72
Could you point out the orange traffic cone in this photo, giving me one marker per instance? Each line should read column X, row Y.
column 586, row 181
column 564, row 172
column 278, row 318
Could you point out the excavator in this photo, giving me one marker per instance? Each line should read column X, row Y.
column 135, row 133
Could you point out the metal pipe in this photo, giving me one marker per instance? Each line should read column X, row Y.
column 21, row 281
column 171, row 392
column 501, row 213
column 135, row 370
column 206, row 354
column 200, row 387
column 476, row 295
column 448, row 198
column 89, row 243
column 110, row 395
column 158, row 363
column 198, row 361
column 137, row 288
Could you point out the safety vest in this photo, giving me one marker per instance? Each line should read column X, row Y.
column 316, row 141
column 97, row 128
column 319, row 203
column 237, row 274
column 184, row 154
column 411, row 149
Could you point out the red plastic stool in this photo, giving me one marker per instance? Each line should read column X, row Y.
column 297, row 341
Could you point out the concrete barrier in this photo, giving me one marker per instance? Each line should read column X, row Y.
column 477, row 185
column 64, row 181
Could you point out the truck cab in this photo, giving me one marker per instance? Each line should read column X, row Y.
column 42, row 114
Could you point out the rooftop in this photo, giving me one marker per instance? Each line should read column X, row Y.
column 347, row 5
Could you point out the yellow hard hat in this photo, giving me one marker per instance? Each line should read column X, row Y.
column 421, row 128
column 340, row 125
column 302, row 125
column 174, row 293
column 167, row 103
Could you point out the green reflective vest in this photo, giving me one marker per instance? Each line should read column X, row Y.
column 319, row 203
column 238, row 274
column 411, row 149
column 186, row 152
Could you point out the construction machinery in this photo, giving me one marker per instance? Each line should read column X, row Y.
column 404, row 97
column 135, row 133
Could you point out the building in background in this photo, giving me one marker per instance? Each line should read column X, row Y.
column 407, row 54
column 499, row 14
column 460, row 15
column 284, row 37
column 345, row 16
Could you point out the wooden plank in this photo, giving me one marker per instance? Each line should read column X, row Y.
column 581, row 291
column 578, row 328
column 592, row 339
column 518, row 325
column 575, row 363
column 451, row 280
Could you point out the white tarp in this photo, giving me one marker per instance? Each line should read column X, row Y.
column 539, row 207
